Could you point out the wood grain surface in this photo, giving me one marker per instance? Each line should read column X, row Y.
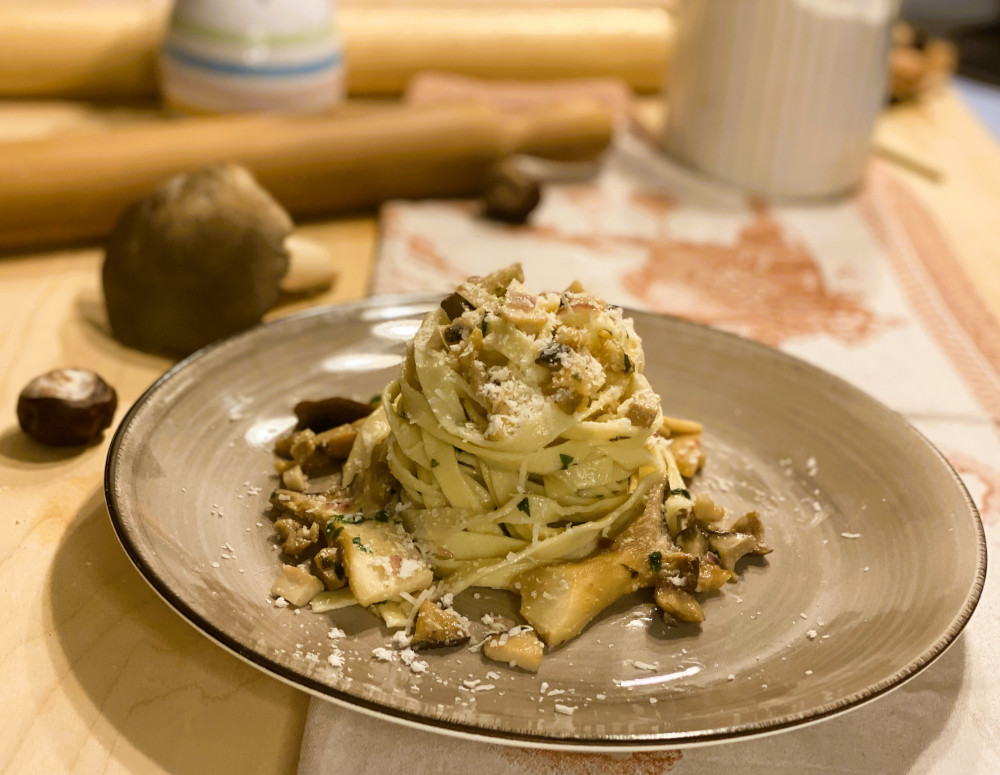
column 107, row 48
column 97, row 674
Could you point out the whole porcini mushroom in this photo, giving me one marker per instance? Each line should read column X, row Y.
column 201, row 257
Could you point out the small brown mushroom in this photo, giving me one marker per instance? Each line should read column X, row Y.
column 329, row 568
column 295, row 537
column 201, row 257
column 66, row 407
column 510, row 195
column 327, row 413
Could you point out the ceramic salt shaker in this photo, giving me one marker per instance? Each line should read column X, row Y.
column 252, row 55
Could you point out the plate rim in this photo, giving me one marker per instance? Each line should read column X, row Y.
column 580, row 743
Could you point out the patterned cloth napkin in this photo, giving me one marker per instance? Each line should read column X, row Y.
column 868, row 289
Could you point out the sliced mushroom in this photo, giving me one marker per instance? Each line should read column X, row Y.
column 706, row 512
column 745, row 536
column 711, row 575
column 688, row 453
column 336, row 443
column 296, row 537
column 677, row 603
column 310, row 508
column 693, row 541
column 642, row 546
column 642, row 408
column 293, row 478
column 302, row 445
column 518, row 647
column 312, row 453
column 731, row 547
column 750, row 523
column 329, row 568
column 679, row 569
column 436, row 627
column 560, row 600
column 497, row 282
column 677, row 426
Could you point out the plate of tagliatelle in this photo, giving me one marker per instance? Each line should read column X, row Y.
column 538, row 519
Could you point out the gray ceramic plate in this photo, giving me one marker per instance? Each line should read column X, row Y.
column 878, row 564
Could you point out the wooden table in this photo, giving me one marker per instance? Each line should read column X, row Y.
column 97, row 674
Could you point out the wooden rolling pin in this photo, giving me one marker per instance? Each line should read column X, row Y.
column 68, row 48
column 384, row 49
column 106, row 48
column 75, row 187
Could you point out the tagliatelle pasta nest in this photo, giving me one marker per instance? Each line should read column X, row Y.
column 522, row 448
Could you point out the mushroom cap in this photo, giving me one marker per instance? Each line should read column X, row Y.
column 198, row 259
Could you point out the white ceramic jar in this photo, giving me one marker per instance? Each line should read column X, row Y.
column 252, row 55
column 778, row 97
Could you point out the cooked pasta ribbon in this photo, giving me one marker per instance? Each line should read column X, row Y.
column 521, row 431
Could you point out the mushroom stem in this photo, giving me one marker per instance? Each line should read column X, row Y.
column 310, row 266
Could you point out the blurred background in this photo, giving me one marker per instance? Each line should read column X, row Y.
column 974, row 26
column 336, row 109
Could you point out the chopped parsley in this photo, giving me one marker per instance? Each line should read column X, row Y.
column 656, row 561
column 434, row 463
column 577, row 376
column 566, row 460
column 381, row 516
column 357, row 542
column 483, row 324
column 332, row 530
column 681, row 491
column 525, row 506
column 375, row 400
